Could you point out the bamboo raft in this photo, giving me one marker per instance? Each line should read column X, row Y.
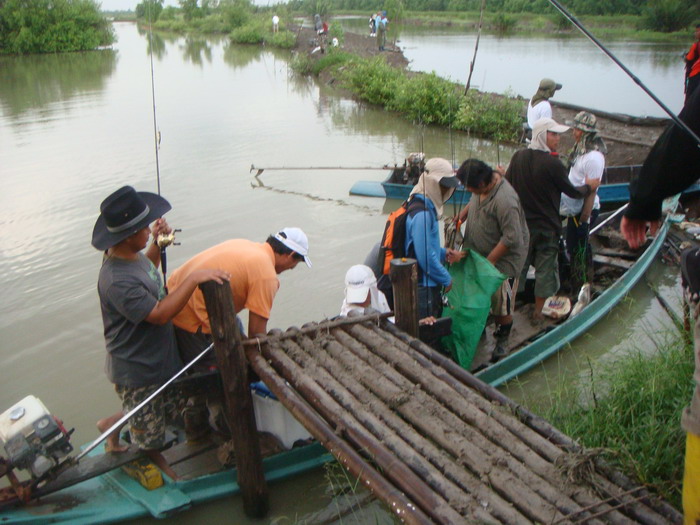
column 433, row 442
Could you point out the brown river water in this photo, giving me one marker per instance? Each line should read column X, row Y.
column 75, row 127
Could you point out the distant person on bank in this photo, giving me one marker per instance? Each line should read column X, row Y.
column 539, row 107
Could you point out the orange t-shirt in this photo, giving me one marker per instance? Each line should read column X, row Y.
column 254, row 281
column 694, row 56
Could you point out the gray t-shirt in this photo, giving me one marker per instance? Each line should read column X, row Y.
column 139, row 353
column 499, row 217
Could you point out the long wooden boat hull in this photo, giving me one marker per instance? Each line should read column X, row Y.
column 114, row 496
column 551, row 342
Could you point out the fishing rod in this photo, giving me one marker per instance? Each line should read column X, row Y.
column 608, row 219
column 163, row 240
column 289, row 168
column 138, row 407
column 636, row 80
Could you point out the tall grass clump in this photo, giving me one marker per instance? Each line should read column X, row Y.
column 491, row 116
column 373, row 80
column 428, row 99
column 667, row 16
column 632, row 409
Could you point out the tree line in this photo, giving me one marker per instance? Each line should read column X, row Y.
column 52, row 26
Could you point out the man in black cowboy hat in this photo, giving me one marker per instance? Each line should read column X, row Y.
column 137, row 313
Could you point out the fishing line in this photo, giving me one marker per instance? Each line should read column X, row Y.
column 636, row 80
column 156, row 141
column 156, row 133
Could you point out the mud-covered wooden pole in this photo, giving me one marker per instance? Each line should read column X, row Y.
column 231, row 360
column 404, row 281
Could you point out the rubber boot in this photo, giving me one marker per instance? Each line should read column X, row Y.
column 501, row 335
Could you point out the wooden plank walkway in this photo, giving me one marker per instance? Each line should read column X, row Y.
column 452, row 446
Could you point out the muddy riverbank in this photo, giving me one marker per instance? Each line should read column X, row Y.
column 628, row 138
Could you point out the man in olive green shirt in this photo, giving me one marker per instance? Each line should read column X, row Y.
column 496, row 228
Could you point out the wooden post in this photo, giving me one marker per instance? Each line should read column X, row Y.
column 404, row 282
column 231, row 360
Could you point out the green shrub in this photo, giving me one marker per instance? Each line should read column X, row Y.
column 503, row 23
column 334, row 58
column 490, row 116
column 429, row 99
column 335, row 30
column 302, row 64
column 668, row 15
column 248, row 34
column 283, row 39
column 373, row 80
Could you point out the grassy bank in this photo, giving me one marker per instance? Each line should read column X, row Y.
column 631, row 408
column 421, row 98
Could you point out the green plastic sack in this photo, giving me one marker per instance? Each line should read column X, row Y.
column 474, row 281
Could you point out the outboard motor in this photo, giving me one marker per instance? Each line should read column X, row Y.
column 33, row 439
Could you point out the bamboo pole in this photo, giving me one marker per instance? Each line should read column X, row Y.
column 333, row 376
column 395, row 437
column 540, row 425
column 239, row 403
column 453, row 436
column 476, row 47
column 488, row 427
column 430, row 502
column 399, row 504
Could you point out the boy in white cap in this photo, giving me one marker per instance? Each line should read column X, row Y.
column 361, row 291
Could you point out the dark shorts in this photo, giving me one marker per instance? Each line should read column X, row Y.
column 148, row 424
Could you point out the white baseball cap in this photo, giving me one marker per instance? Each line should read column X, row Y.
column 296, row 240
column 358, row 280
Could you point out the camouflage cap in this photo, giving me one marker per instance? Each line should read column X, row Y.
column 585, row 121
column 549, row 84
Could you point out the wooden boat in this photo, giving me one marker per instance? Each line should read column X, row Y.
column 114, row 495
column 614, row 189
column 530, row 346
column 108, row 488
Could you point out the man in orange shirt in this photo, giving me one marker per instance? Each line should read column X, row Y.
column 253, row 268
column 692, row 65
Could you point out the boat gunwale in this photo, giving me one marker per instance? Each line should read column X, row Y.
column 551, row 342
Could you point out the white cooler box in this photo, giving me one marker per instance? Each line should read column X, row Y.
column 272, row 416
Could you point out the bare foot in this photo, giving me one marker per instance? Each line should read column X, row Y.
column 116, row 448
column 112, row 442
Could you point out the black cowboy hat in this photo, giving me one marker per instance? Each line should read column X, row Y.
column 124, row 213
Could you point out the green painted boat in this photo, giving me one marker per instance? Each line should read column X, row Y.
column 554, row 340
column 115, row 496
